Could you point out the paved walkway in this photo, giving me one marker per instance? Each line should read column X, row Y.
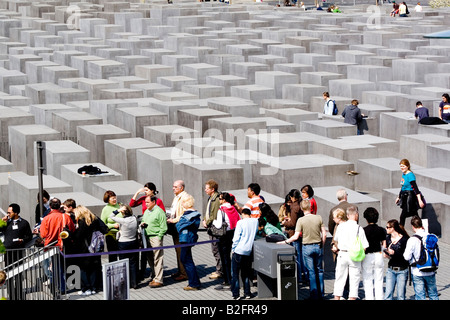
column 205, row 265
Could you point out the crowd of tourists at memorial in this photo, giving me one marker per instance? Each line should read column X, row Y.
column 359, row 252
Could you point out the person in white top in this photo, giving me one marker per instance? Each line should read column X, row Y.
column 424, row 282
column 418, row 7
column 329, row 104
column 345, row 236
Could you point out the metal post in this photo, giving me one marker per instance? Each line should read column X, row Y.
column 40, row 148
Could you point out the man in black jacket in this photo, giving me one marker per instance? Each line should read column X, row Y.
column 17, row 234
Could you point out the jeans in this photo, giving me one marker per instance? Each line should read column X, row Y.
column 189, row 266
column 313, row 260
column 424, row 285
column 398, row 278
column 243, row 264
column 299, row 259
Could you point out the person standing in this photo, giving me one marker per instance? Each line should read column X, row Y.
column 352, row 115
column 343, row 204
column 253, row 191
column 228, row 213
column 155, row 223
column 289, row 227
column 409, row 198
column 187, row 227
column 241, row 254
column 110, row 198
column 345, row 236
column 397, row 271
column 424, row 282
column 17, row 233
column 127, row 239
column 373, row 263
column 149, row 189
column 51, row 227
column 314, row 235
column 176, row 211
column 91, row 266
column 329, row 104
column 212, row 207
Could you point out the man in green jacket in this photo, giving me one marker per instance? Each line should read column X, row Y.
column 155, row 224
column 212, row 207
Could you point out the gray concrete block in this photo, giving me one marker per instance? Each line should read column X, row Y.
column 345, row 149
column 328, row 128
column 198, row 118
column 169, row 135
column 23, row 189
column 253, row 92
column 105, row 109
column 153, row 71
column 196, row 172
column 436, row 155
column 57, row 153
column 162, row 160
column 350, row 87
column 120, row 155
column 43, row 113
column 22, row 140
column 282, row 174
column 302, row 92
column 237, row 107
column 68, row 121
column 171, row 108
column 92, row 137
column 134, row 119
column 395, row 124
column 414, row 147
column 80, row 183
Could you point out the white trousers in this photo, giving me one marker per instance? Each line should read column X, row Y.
column 345, row 267
column 372, row 275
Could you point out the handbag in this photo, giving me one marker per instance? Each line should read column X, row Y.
column 357, row 252
column 219, row 232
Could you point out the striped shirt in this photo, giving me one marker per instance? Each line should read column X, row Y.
column 253, row 205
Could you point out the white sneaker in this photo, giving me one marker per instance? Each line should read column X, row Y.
column 85, row 293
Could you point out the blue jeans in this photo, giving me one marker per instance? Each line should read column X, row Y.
column 398, row 278
column 424, row 284
column 189, row 266
column 243, row 264
column 313, row 258
column 299, row 259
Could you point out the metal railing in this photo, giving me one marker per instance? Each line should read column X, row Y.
column 32, row 273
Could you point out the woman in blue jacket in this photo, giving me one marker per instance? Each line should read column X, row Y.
column 187, row 228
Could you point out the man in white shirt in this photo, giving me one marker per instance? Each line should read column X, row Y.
column 329, row 104
column 345, row 237
column 424, row 282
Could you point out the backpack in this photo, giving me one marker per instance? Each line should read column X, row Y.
column 356, row 251
column 335, row 108
column 429, row 253
column 97, row 242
